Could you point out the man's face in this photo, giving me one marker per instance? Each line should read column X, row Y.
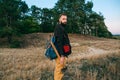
column 63, row 19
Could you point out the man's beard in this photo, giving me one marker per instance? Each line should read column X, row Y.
column 63, row 24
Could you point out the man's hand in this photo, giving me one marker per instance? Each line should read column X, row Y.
column 62, row 60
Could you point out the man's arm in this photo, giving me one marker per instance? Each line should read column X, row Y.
column 59, row 36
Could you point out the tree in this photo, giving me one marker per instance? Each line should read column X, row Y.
column 47, row 20
column 77, row 13
column 16, row 18
column 98, row 27
column 11, row 12
column 81, row 18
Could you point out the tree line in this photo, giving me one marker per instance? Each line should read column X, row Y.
column 16, row 18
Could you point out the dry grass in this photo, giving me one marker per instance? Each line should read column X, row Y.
column 99, row 67
column 92, row 59
column 27, row 63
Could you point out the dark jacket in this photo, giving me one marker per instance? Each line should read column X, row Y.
column 61, row 37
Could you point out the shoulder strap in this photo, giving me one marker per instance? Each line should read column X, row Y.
column 55, row 50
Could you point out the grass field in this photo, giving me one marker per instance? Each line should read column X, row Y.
column 91, row 59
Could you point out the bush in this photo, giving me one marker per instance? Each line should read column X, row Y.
column 16, row 44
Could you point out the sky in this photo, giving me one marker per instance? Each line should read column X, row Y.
column 110, row 9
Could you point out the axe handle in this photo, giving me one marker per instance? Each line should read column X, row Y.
column 55, row 50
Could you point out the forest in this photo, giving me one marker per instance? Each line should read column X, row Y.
column 17, row 19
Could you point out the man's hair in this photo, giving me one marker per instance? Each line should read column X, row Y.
column 63, row 14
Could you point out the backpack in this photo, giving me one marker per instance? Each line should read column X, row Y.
column 51, row 51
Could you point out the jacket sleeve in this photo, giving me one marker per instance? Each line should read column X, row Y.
column 59, row 38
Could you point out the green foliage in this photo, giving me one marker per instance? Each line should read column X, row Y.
column 16, row 44
column 29, row 25
column 116, row 36
column 17, row 19
column 11, row 12
column 81, row 18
